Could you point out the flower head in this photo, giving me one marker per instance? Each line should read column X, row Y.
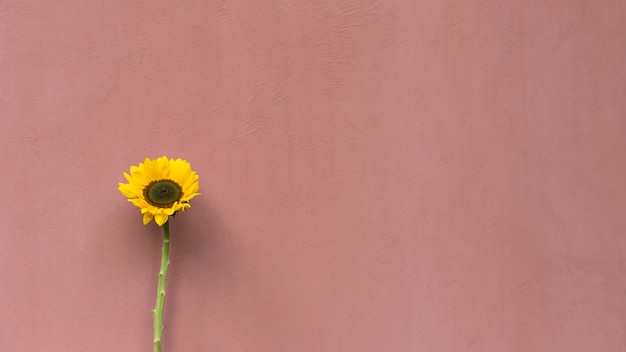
column 160, row 188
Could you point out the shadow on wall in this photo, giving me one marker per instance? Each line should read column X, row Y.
column 125, row 265
column 201, row 274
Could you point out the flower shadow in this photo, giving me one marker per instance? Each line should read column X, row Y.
column 200, row 272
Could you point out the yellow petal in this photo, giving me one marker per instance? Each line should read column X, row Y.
column 191, row 189
column 147, row 217
column 140, row 203
column 138, row 175
column 129, row 191
column 179, row 171
column 160, row 219
column 162, row 167
column 149, row 170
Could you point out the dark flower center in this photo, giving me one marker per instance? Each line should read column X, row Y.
column 162, row 193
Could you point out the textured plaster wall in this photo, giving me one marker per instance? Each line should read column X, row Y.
column 376, row 175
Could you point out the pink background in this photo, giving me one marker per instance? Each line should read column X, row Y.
column 376, row 175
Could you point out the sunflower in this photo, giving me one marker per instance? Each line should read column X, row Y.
column 160, row 188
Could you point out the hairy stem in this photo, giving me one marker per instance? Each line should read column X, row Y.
column 157, row 312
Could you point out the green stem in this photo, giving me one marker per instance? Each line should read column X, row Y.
column 157, row 312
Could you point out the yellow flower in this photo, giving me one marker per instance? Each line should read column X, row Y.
column 160, row 188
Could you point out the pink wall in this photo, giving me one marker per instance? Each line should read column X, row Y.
column 392, row 175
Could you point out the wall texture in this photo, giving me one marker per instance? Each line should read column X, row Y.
column 377, row 175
